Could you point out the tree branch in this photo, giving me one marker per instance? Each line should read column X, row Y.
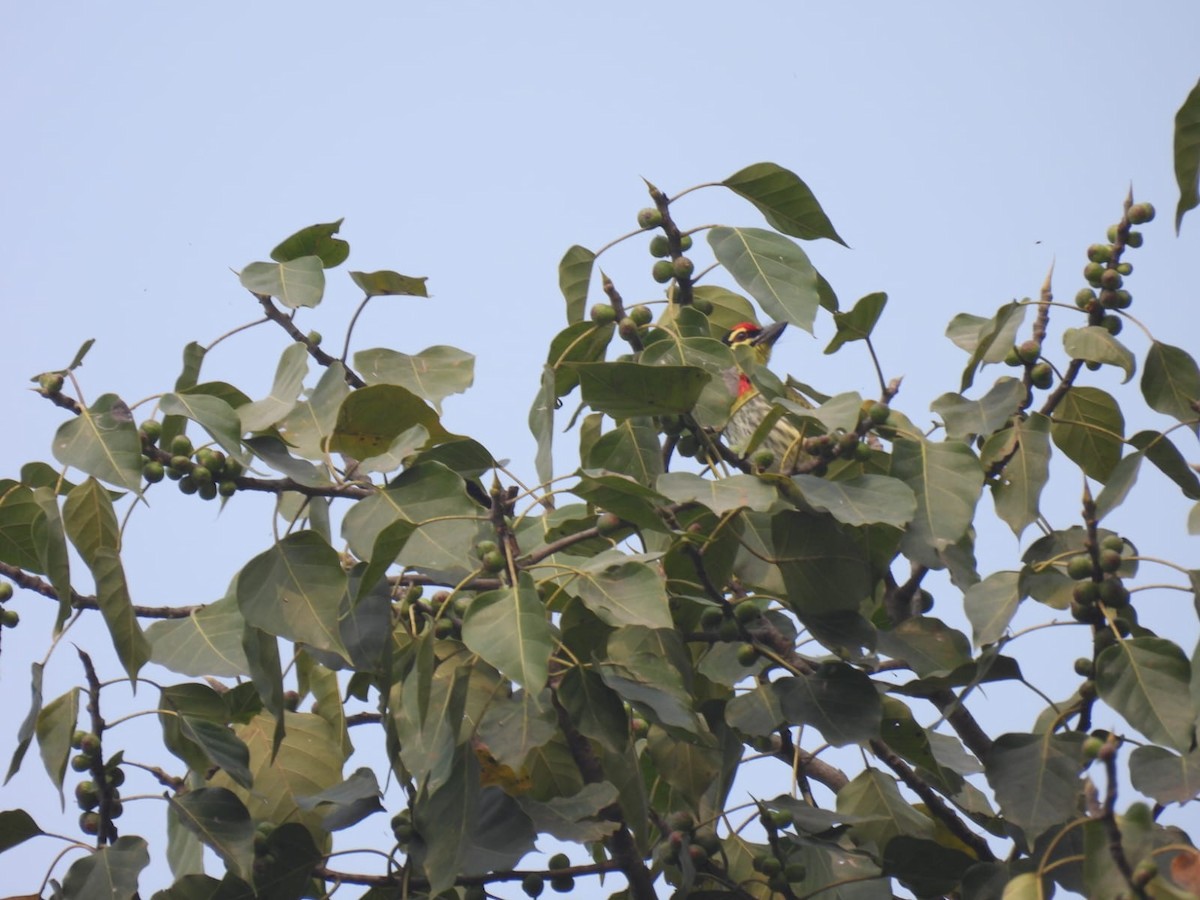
column 276, row 315
column 937, row 807
column 620, row 843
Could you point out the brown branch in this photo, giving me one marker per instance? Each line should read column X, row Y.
column 960, row 719
column 23, row 579
column 276, row 315
column 933, row 802
column 58, row 398
column 384, row 881
column 808, row 765
column 683, row 294
column 106, row 833
column 533, row 557
column 620, row 843
column 1108, row 817
column 614, row 298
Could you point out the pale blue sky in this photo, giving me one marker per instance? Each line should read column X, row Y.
column 959, row 149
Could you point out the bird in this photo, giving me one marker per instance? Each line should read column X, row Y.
column 751, row 409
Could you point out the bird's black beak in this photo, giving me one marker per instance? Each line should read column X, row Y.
column 770, row 333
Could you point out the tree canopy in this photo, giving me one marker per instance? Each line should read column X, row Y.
column 704, row 667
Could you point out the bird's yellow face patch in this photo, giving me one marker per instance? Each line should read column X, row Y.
column 742, row 334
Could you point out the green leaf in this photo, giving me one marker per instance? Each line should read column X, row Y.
column 273, row 451
column 309, row 760
column 581, row 342
column 371, row 418
column 266, row 673
column 729, row 309
column 347, row 803
column 577, row 817
column 987, row 340
column 711, row 355
column 621, row 591
column 296, row 283
column 444, row 818
column 1187, row 154
column 991, row 604
column 56, row 723
column 926, row 867
column 1120, row 482
column 1158, row 448
column 192, row 701
column 185, row 855
column 1017, row 489
column 103, row 442
column 825, row 569
column 508, row 628
column 385, row 283
column 294, row 590
column 51, row 541
column 755, row 712
column 964, row 417
column 388, row 544
column 928, row 645
column 721, row 496
column 902, row 733
column 1026, row 886
column 623, row 496
column 574, row 274
column 193, row 359
column 644, row 667
column 501, row 833
column 772, row 269
column 1096, row 344
column 1035, row 778
column 109, row 872
column 541, row 426
column 427, row 709
column 77, row 360
column 874, row 795
column 1142, row 679
column 837, row 699
column 221, row 821
column 513, row 727
column 284, row 867
column 1089, row 428
column 624, row 389
column 858, row 323
column 91, row 524
column 311, row 421
column 214, row 414
column 20, row 513
column 946, row 479
column 207, row 642
column 25, row 731
column 865, row 500
column 1171, row 382
column 400, row 452
column 1168, row 778
column 839, row 413
column 428, row 491
column 433, row 374
column 16, row 827
column 594, row 709
column 289, row 378
column 687, row 767
column 784, row 200
column 631, row 448
column 221, row 747
column 315, row 240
